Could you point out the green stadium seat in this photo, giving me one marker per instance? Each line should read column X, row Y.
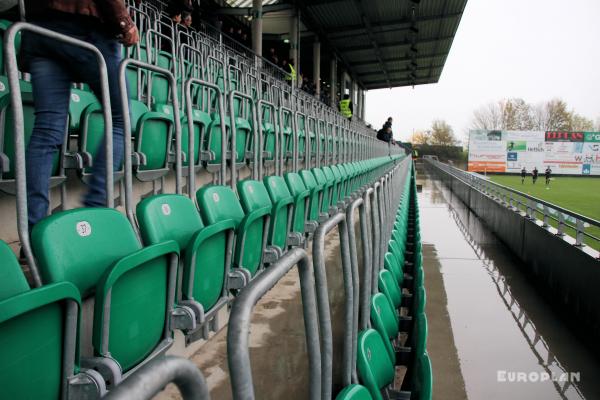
column 201, row 122
column 219, row 203
column 153, row 135
column 301, row 203
column 316, row 194
column 39, row 354
column 388, row 286
column 204, row 257
column 375, row 368
column 354, row 392
column 254, row 197
column 281, row 216
column 133, row 287
column 7, row 152
column 327, row 186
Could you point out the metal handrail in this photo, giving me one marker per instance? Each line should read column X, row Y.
column 154, row 376
column 510, row 197
column 338, row 220
column 238, row 332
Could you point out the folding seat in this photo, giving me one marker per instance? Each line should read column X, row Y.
column 201, row 122
column 387, row 285
column 212, row 142
column 316, row 195
column 301, row 195
column 205, row 259
column 280, row 226
column 254, row 197
column 219, row 203
column 153, row 135
column 422, row 382
column 39, row 333
column 375, row 368
column 133, row 287
column 354, row 392
column 391, row 264
column 386, row 321
column 327, row 186
column 7, row 151
column 80, row 99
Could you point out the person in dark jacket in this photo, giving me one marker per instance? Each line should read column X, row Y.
column 53, row 66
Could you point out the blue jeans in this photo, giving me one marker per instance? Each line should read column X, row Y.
column 53, row 67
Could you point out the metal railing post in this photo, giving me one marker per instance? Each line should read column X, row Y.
column 19, row 129
column 338, row 220
column 238, row 354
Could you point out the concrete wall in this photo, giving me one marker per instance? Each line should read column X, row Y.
column 567, row 276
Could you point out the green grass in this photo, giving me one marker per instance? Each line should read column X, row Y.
column 581, row 195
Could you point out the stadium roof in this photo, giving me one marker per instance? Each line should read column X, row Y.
column 387, row 43
column 383, row 43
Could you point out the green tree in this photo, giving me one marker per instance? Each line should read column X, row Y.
column 421, row 137
column 442, row 134
column 581, row 123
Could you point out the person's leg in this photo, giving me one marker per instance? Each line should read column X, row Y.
column 51, row 90
column 96, row 195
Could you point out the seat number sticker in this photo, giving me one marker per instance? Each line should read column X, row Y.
column 216, row 197
column 166, row 209
column 75, row 97
column 83, row 228
column 251, row 189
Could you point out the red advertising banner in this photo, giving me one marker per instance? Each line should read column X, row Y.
column 552, row 136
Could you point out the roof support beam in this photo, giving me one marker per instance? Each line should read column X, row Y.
column 388, row 26
column 392, row 45
column 398, row 59
column 248, row 10
column 361, row 8
column 400, row 70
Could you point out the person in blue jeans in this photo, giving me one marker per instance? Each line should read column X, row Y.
column 54, row 66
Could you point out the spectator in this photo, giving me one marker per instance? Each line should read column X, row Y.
column 385, row 134
column 53, row 68
column 273, row 56
column 186, row 19
column 346, row 107
column 388, row 123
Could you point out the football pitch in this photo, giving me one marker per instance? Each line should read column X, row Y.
column 581, row 195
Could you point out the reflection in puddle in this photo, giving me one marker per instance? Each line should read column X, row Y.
column 509, row 341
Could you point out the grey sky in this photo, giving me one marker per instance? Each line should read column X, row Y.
column 534, row 49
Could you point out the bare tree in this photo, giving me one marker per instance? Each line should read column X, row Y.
column 552, row 116
column 487, row 117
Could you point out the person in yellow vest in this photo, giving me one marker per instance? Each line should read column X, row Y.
column 346, row 107
column 289, row 66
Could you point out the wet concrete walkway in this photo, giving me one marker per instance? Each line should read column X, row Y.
column 491, row 336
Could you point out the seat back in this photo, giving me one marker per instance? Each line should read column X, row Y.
column 313, row 186
column 299, row 191
column 388, row 286
column 219, row 203
column 422, row 385
column 99, row 253
column 282, row 201
column 203, row 249
column 375, row 368
column 12, row 280
column 33, row 325
column 391, row 264
column 385, row 321
column 354, row 392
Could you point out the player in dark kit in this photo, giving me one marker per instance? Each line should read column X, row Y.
column 548, row 172
column 534, row 174
column 523, row 175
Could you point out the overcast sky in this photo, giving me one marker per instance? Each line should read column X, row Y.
column 534, row 49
